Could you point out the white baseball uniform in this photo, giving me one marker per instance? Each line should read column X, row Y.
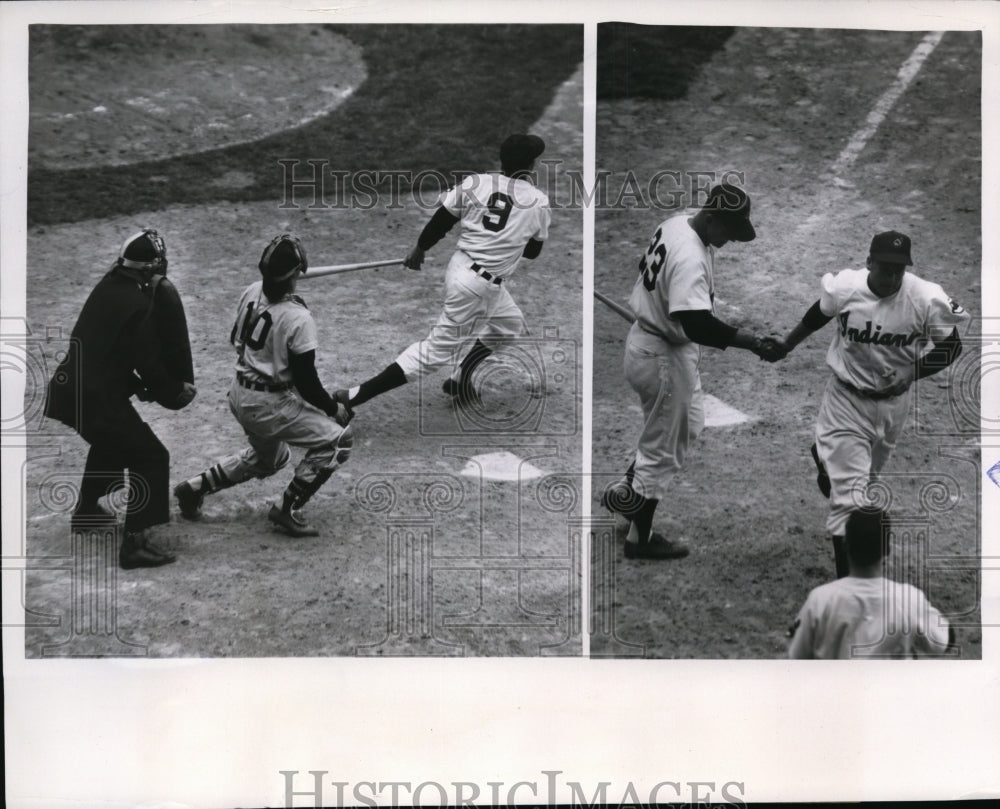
column 661, row 363
column 498, row 216
column 263, row 399
column 861, row 618
column 875, row 345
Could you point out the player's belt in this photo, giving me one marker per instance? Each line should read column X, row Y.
column 266, row 387
column 486, row 276
column 874, row 395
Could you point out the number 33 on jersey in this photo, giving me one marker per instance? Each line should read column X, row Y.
column 675, row 275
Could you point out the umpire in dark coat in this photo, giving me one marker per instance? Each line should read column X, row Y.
column 130, row 339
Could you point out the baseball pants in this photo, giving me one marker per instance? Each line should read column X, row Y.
column 131, row 444
column 474, row 308
column 854, row 437
column 666, row 378
column 272, row 422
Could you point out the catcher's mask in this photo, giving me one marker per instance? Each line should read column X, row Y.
column 144, row 250
column 283, row 258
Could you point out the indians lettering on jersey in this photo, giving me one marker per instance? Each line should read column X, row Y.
column 498, row 216
column 675, row 275
column 877, row 337
column 266, row 333
column 878, row 340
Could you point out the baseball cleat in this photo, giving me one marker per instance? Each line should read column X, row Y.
column 189, row 501
column 138, row 551
column 291, row 523
column 822, row 478
column 657, row 547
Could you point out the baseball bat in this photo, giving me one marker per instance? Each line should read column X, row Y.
column 334, row 269
column 615, row 307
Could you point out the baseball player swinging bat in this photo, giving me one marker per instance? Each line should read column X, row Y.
column 334, row 269
column 625, row 312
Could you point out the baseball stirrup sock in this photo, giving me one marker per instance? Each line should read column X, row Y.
column 840, row 556
column 391, row 377
column 643, row 519
column 476, row 355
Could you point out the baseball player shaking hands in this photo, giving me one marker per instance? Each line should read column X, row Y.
column 893, row 328
column 276, row 395
column 503, row 217
column 673, row 301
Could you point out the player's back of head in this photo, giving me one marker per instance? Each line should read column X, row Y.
column 867, row 536
column 518, row 153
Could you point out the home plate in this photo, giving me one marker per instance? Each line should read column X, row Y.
column 719, row 414
column 500, row 466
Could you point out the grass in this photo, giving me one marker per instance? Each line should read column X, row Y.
column 437, row 97
column 652, row 61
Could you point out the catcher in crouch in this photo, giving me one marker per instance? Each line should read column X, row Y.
column 276, row 396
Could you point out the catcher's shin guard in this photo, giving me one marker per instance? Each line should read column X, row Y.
column 300, row 490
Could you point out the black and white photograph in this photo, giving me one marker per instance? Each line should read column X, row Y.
column 437, row 403
column 764, row 184
column 325, row 401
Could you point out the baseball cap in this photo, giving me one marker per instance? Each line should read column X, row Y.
column 892, row 247
column 519, row 150
column 731, row 205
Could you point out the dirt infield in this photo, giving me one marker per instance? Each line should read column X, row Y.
column 779, row 105
column 426, row 549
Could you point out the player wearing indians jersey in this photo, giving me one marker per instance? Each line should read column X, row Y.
column 502, row 218
column 673, row 301
column 892, row 328
column 276, row 396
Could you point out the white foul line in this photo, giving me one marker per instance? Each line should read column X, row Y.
column 906, row 73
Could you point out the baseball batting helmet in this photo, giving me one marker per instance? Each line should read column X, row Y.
column 144, row 250
column 283, row 258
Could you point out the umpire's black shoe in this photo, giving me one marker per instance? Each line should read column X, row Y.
column 822, row 478
column 138, row 551
column 291, row 523
column 657, row 547
column 189, row 501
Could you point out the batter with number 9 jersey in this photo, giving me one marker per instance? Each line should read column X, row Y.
column 276, row 396
column 504, row 218
column 892, row 329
